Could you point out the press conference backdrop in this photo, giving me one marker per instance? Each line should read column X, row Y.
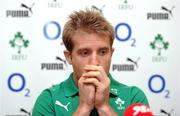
column 146, row 45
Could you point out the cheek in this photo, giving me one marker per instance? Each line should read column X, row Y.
column 106, row 64
column 77, row 61
column 78, row 65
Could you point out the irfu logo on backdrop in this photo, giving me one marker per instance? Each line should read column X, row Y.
column 125, row 5
column 19, row 42
column 55, row 4
column 159, row 44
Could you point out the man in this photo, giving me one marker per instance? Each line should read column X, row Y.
column 90, row 89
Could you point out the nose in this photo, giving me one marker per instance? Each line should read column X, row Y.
column 94, row 60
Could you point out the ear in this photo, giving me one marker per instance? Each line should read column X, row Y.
column 112, row 51
column 68, row 56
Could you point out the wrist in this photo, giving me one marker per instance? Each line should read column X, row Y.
column 106, row 110
column 83, row 110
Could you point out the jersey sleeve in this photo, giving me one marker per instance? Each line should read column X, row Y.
column 138, row 96
column 44, row 105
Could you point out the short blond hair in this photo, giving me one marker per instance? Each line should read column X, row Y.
column 90, row 21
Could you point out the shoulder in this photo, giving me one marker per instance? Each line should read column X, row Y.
column 125, row 89
column 122, row 88
column 45, row 102
column 50, row 92
column 131, row 94
column 47, row 95
column 54, row 90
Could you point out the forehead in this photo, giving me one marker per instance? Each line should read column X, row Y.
column 84, row 39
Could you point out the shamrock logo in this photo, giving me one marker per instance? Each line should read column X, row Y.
column 159, row 44
column 19, row 42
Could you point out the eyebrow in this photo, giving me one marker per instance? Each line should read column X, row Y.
column 102, row 48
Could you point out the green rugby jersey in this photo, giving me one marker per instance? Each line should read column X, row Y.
column 63, row 99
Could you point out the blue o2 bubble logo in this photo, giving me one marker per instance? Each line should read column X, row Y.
column 155, row 77
column 45, row 30
column 21, row 87
column 16, row 87
column 118, row 26
column 162, row 85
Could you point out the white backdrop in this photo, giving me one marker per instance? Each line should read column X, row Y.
column 32, row 50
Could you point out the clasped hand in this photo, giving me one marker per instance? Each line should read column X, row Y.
column 93, row 87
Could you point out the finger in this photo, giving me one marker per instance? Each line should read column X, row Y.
column 80, row 81
column 81, row 78
column 93, row 81
column 92, row 68
column 88, row 68
column 94, row 74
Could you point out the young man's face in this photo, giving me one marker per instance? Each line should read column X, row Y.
column 89, row 49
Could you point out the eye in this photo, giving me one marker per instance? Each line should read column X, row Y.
column 84, row 53
column 103, row 52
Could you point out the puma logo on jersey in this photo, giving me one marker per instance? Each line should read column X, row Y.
column 62, row 105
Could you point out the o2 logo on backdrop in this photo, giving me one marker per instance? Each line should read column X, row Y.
column 52, row 30
column 17, row 83
column 157, row 84
column 123, row 33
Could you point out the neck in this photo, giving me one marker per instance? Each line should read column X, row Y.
column 75, row 79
